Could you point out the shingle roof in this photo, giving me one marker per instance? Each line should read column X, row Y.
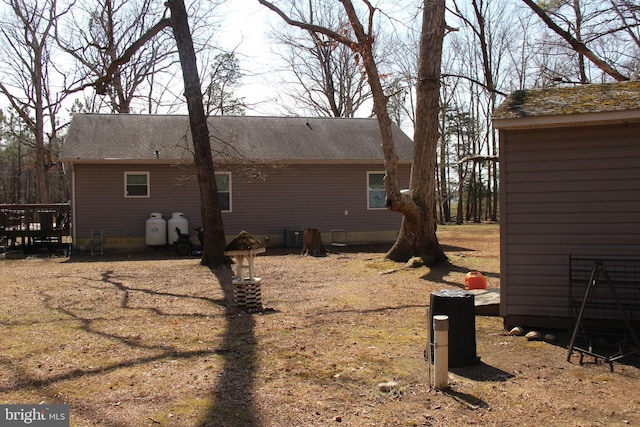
column 244, row 242
column 96, row 137
column 562, row 101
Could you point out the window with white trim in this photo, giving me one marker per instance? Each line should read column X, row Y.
column 223, row 182
column 376, row 195
column 136, row 184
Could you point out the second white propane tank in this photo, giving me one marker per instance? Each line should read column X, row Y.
column 177, row 220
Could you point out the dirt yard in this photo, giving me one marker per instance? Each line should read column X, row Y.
column 153, row 340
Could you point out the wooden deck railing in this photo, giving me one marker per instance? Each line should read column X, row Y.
column 30, row 225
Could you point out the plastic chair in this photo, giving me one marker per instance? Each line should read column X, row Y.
column 338, row 237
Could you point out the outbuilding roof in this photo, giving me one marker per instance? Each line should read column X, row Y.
column 566, row 105
column 133, row 137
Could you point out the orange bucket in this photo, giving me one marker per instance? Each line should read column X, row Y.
column 475, row 280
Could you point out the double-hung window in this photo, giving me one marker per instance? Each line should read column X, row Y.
column 376, row 196
column 223, row 182
column 136, row 184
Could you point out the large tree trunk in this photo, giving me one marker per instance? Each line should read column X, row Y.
column 418, row 231
column 41, row 154
column 214, row 239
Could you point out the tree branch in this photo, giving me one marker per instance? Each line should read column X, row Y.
column 576, row 44
column 20, row 108
column 475, row 81
column 102, row 82
column 310, row 27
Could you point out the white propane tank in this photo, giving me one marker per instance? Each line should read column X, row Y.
column 177, row 220
column 156, row 230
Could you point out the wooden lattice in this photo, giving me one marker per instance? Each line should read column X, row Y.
column 247, row 295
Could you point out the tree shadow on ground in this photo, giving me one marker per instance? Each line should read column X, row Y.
column 477, row 372
column 468, row 400
column 438, row 274
column 125, row 291
column 232, row 403
column 450, row 248
column 159, row 253
column 232, row 398
column 27, row 379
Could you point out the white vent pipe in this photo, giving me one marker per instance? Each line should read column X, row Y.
column 441, row 351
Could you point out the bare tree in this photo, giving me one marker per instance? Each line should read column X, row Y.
column 402, row 52
column 326, row 78
column 29, row 79
column 628, row 13
column 417, row 235
column 97, row 36
column 12, row 154
column 518, row 73
column 214, row 238
column 491, row 35
column 448, row 134
column 576, row 40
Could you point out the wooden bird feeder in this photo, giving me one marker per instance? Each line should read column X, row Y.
column 246, row 286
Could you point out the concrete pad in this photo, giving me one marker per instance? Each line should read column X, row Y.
column 487, row 301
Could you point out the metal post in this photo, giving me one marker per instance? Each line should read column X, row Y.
column 441, row 351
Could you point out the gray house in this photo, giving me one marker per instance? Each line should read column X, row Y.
column 570, row 189
column 275, row 175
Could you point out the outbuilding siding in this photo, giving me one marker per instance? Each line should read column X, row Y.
column 564, row 190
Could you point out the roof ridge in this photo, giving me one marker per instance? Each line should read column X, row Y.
column 159, row 115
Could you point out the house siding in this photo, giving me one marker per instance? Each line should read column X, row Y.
column 266, row 200
column 564, row 191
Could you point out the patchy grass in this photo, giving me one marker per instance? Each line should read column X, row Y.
column 148, row 339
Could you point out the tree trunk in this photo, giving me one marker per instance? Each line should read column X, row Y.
column 418, row 230
column 459, row 213
column 214, row 239
column 418, row 233
column 445, row 203
column 42, row 190
column 312, row 243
